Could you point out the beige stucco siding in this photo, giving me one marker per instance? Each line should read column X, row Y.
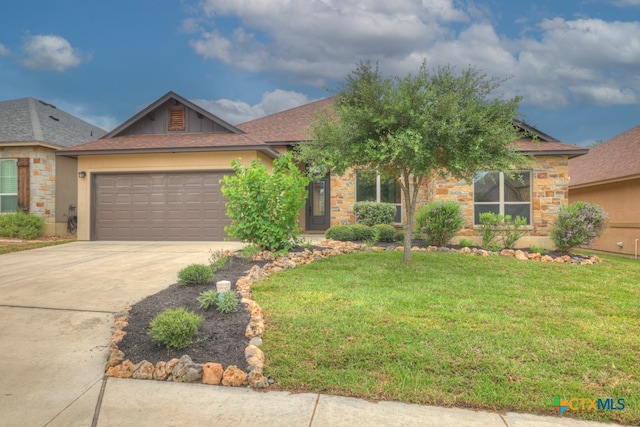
column 621, row 201
column 162, row 162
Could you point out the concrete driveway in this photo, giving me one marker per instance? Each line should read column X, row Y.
column 56, row 314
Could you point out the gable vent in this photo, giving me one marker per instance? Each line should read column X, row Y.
column 54, row 118
column 176, row 119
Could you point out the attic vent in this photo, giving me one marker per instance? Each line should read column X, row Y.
column 54, row 118
column 176, row 119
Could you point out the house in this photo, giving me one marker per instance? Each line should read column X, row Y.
column 156, row 176
column 609, row 175
column 32, row 178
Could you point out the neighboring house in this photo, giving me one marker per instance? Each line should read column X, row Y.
column 32, row 178
column 610, row 176
column 156, row 177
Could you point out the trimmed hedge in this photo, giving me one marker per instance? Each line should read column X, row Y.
column 384, row 232
column 372, row 213
column 22, row 225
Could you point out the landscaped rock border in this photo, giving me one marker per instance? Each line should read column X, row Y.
column 185, row 370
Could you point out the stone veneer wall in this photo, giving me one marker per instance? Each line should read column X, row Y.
column 550, row 191
column 42, row 169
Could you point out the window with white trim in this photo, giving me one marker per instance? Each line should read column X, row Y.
column 8, row 185
column 502, row 194
column 371, row 187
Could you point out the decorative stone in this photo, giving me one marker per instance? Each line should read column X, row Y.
column 234, row 377
column 223, row 286
column 255, row 328
column 254, row 309
column 160, row 372
column 186, row 370
column 546, row 258
column 115, row 359
column 212, row 373
column 508, row 253
column 255, row 274
column 171, row 364
column 258, row 380
column 117, row 336
column 144, row 371
column 123, row 370
column 520, row 255
column 257, row 341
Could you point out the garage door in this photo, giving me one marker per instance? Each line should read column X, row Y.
column 159, row 206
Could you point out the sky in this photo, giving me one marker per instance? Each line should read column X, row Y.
column 575, row 63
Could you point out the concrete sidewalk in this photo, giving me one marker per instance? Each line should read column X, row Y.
column 56, row 314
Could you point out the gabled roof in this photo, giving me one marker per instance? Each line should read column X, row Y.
column 168, row 97
column 613, row 160
column 291, row 126
column 28, row 120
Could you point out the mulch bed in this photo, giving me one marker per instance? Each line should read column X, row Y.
column 220, row 337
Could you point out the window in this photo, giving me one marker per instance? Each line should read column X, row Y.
column 495, row 192
column 371, row 187
column 8, row 185
column 176, row 119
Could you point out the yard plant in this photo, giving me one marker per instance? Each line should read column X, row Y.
column 21, row 225
column 175, row 328
column 195, row 274
column 578, row 225
column 440, row 221
column 457, row 330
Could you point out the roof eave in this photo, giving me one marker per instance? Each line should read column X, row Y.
column 570, row 153
column 267, row 151
column 603, row 182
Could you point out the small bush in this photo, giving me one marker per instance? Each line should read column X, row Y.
column 175, row 328
column 513, row 230
column 495, row 226
column 490, row 224
column 540, row 250
column 195, row 274
column 227, row 302
column 342, row 233
column 22, row 225
column 362, row 233
column 217, row 259
column 466, row 243
column 440, row 221
column 372, row 213
column 399, row 237
column 578, row 225
column 208, row 299
column 384, row 232
column 249, row 251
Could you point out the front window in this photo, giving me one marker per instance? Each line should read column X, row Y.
column 501, row 194
column 8, row 186
column 371, row 187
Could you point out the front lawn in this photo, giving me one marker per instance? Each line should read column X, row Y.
column 7, row 247
column 457, row 330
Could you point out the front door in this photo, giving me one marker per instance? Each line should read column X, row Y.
column 318, row 210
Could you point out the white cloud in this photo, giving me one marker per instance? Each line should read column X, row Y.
column 4, row 50
column 51, row 52
column 83, row 112
column 236, row 112
column 626, row 3
column 554, row 63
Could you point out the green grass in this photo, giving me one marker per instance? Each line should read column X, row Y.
column 457, row 330
column 16, row 247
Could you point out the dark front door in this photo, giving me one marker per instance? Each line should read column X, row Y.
column 318, row 210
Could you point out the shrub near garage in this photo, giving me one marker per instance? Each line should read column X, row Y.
column 578, row 225
column 195, row 274
column 175, row 328
column 21, row 225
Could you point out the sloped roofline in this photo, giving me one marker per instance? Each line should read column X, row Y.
column 166, row 97
column 535, row 132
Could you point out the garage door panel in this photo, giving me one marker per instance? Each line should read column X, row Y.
column 159, row 206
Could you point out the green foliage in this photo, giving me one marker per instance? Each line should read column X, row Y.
column 399, row 237
column 431, row 122
column 218, row 258
column 195, row 274
column 540, row 250
column 264, row 207
column 175, row 328
column 440, row 221
column 384, row 232
column 249, row 251
column 342, row 233
column 500, row 228
column 227, row 302
column 361, row 232
column 208, row 299
column 466, row 243
column 372, row 213
column 22, row 225
column 578, row 225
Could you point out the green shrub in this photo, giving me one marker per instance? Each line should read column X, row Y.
column 384, row 232
column 22, row 225
column 175, row 328
column 342, row 233
column 217, row 259
column 372, row 213
column 208, row 299
column 362, row 233
column 195, row 274
column 540, row 250
column 440, row 221
column 264, row 207
column 399, row 237
column 466, row 243
column 227, row 302
column 578, row 225
column 496, row 227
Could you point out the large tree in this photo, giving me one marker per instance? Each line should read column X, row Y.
column 436, row 122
